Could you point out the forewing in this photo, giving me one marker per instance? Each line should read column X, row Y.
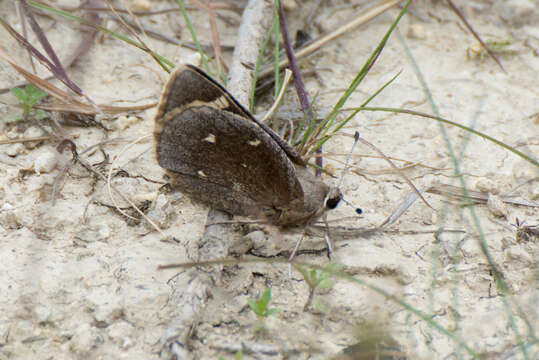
column 188, row 85
column 225, row 160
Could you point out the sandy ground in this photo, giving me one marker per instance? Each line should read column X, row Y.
column 78, row 280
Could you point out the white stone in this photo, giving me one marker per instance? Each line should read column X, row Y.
column 33, row 132
column 45, row 162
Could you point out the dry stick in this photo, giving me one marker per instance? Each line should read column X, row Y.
column 88, row 110
column 256, row 21
column 315, row 45
column 461, row 16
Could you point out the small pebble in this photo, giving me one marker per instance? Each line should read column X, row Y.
column 45, row 162
column 85, row 338
column 496, row 206
column 518, row 253
column 258, row 239
column 123, row 122
column 162, row 213
column 140, row 5
column 523, row 171
column 289, row 5
column 534, row 192
column 15, row 149
column 487, row 185
column 33, row 132
column 193, row 58
column 417, row 32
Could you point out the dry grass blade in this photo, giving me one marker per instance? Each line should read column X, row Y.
column 54, row 65
column 95, row 8
column 20, row 12
column 214, row 35
column 41, row 83
column 298, row 82
column 143, row 45
column 477, row 197
column 476, row 35
column 396, row 169
column 317, row 44
column 404, row 205
column 15, row 141
column 287, row 76
column 89, row 110
column 87, row 37
column 73, row 105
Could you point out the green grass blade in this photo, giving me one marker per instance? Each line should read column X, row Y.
column 500, row 283
column 452, row 123
column 328, row 123
column 257, row 68
column 325, row 138
column 194, row 37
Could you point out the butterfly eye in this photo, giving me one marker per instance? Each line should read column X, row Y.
column 333, row 198
column 332, row 203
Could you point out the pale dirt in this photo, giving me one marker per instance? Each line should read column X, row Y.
column 78, row 282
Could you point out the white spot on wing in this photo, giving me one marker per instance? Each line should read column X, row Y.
column 221, row 102
column 201, row 174
column 244, row 165
column 210, row 138
column 254, row 142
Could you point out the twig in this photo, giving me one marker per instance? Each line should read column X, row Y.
column 469, row 27
column 255, row 24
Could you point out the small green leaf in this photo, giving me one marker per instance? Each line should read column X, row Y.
column 253, row 305
column 266, row 297
column 19, row 94
column 321, row 306
column 272, row 311
column 40, row 114
column 313, row 276
column 325, row 284
column 333, row 267
column 239, row 355
column 33, row 94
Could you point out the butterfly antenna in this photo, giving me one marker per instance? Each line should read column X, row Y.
column 356, row 139
column 346, row 167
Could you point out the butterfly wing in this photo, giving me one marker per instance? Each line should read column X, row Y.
column 189, row 84
column 225, row 160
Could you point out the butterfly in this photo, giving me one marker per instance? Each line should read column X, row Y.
column 217, row 153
